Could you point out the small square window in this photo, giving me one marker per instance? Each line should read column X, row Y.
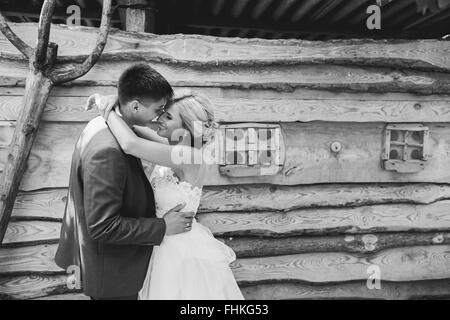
column 405, row 147
column 251, row 149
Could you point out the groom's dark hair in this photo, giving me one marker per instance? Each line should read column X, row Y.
column 141, row 80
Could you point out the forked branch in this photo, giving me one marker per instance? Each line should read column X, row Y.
column 90, row 61
column 26, row 50
column 45, row 21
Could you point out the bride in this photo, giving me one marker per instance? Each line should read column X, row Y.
column 191, row 265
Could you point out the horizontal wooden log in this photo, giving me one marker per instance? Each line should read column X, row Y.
column 246, row 247
column 31, row 232
column 40, row 205
column 396, row 264
column 214, row 51
column 50, row 204
column 71, row 109
column 399, row 264
column 33, row 286
column 284, row 198
column 309, row 158
column 236, row 93
column 326, row 221
column 431, row 289
column 39, row 259
column 275, row 77
column 29, row 260
column 377, row 218
column 54, row 288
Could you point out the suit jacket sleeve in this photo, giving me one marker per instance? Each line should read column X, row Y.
column 104, row 175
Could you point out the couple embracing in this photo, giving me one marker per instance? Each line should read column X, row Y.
column 133, row 237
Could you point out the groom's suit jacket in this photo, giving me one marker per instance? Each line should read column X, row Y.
column 109, row 226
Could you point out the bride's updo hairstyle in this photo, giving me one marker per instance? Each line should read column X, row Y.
column 196, row 112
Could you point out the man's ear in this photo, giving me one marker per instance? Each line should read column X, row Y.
column 134, row 106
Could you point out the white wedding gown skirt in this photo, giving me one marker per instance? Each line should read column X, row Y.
column 191, row 265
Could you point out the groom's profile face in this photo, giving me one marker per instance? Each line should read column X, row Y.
column 145, row 109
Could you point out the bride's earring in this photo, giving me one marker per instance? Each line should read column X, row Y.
column 185, row 136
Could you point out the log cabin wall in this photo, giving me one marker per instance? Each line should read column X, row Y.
column 310, row 231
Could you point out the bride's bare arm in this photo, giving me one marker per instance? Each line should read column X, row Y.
column 149, row 134
column 158, row 153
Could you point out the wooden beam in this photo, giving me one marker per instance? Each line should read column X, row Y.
column 135, row 20
column 267, row 110
column 40, row 81
column 54, row 287
column 48, row 205
column 329, row 221
column 34, row 286
column 37, row 91
column 427, row 55
column 399, row 264
column 137, row 15
column 38, row 259
column 322, row 222
column 246, row 247
column 396, row 265
column 429, row 289
column 309, row 159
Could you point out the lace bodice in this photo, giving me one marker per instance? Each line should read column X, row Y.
column 169, row 191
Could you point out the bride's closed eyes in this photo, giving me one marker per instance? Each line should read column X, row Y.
column 168, row 122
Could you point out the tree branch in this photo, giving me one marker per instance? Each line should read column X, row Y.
column 90, row 61
column 26, row 50
column 45, row 21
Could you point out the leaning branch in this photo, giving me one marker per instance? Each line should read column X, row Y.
column 26, row 50
column 90, row 61
column 45, row 21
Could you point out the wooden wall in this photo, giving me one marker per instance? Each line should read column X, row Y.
column 312, row 230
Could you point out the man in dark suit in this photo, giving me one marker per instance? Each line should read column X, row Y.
column 110, row 226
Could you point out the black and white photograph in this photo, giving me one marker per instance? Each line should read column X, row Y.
column 224, row 150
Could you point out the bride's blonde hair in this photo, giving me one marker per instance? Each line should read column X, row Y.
column 195, row 108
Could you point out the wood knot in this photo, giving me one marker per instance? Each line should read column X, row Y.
column 3, row 197
column 349, row 239
column 28, row 129
column 370, row 242
column 439, row 238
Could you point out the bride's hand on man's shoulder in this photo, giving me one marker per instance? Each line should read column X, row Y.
column 103, row 103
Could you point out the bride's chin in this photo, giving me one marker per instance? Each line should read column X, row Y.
column 161, row 133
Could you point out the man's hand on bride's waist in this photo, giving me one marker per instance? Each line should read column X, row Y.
column 178, row 221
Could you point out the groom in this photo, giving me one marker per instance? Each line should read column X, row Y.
column 109, row 226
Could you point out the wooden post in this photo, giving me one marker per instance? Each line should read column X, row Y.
column 40, row 80
column 135, row 20
column 137, row 15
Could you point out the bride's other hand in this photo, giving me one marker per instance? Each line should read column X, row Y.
column 104, row 104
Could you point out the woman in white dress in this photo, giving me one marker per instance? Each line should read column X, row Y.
column 191, row 265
